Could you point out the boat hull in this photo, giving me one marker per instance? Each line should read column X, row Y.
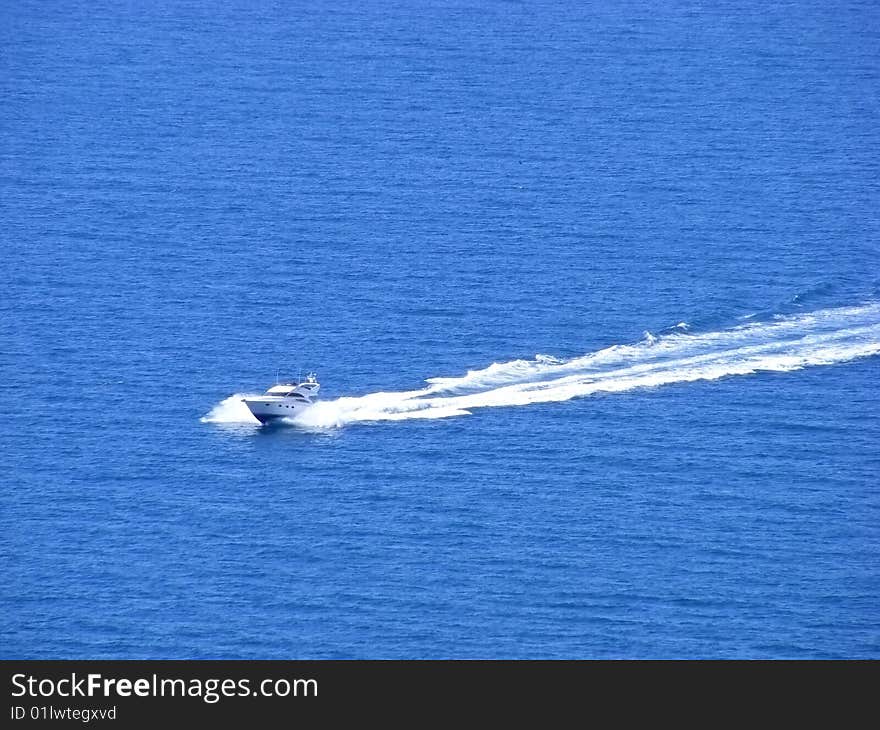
column 268, row 409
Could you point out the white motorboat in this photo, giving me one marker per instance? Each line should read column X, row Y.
column 284, row 400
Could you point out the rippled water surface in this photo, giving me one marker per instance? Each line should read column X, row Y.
column 592, row 291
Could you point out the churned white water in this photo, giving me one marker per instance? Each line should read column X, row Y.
column 785, row 343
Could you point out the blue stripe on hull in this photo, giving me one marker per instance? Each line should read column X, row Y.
column 267, row 417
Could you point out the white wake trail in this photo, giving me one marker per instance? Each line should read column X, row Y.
column 787, row 343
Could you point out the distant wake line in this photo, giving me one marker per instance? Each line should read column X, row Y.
column 786, row 343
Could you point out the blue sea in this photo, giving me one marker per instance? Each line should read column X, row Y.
column 592, row 290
